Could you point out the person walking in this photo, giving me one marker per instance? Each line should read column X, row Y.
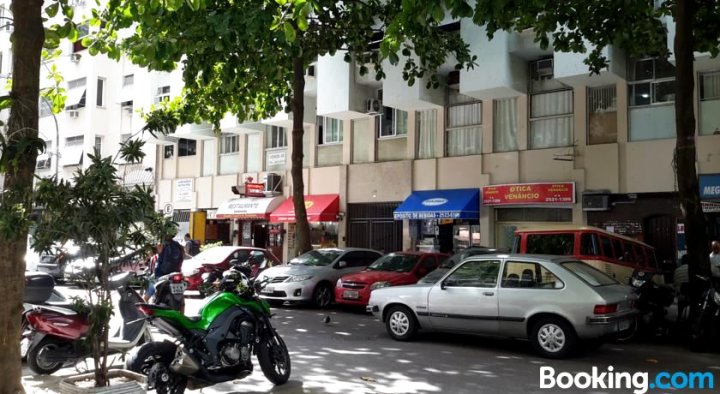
column 192, row 247
column 152, row 263
column 715, row 259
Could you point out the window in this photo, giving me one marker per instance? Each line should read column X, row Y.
column 187, row 147
column 330, row 131
column 128, row 80
column 100, row 101
column 77, row 83
column 589, row 244
column 709, row 103
column 505, row 125
column 427, row 129
column 43, row 164
column 602, row 115
column 557, row 244
column 588, row 274
column 475, row 274
column 83, row 30
column 356, row 259
column 392, row 123
column 651, row 88
column 464, row 125
column 75, row 141
column 229, row 143
column 169, row 151
column 276, row 137
column 606, row 247
column 76, row 94
column 529, row 276
column 551, row 119
column 98, row 145
column 162, row 94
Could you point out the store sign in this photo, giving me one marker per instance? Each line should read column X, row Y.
column 254, row 189
column 183, row 190
column 277, row 157
column 529, row 194
column 434, row 202
column 710, row 187
column 211, row 214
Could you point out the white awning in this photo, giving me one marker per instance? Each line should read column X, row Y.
column 75, row 98
column 258, row 208
column 71, row 155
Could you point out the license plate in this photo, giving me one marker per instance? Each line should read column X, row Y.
column 351, row 294
column 624, row 325
column 268, row 290
column 177, row 288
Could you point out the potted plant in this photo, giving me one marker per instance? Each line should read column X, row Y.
column 106, row 219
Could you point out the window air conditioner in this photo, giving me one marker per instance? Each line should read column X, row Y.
column 75, row 57
column 544, row 69
column 273, row 183
column 73, row 113
column 596, row 202
column 373, row 106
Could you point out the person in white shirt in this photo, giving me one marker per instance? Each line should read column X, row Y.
column 715, row 259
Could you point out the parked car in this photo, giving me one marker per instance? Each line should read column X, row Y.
column 218, row 258
column 394, row 269
column 311, row 277
column 453, row 260
column 553, row 301
column 80, row 268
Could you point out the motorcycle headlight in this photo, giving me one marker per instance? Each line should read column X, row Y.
column 380, row 285
column 716, row 298
column 299, row 278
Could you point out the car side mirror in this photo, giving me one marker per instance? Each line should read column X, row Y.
column 342, row 264
column 442, row 285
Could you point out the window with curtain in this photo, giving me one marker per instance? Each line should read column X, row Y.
column 392, row 123
column 505, row 125
column 464, row 129
column 427, row 128
column 602, row 115
column 710, row 103
column 651, row 93
column 551, row 119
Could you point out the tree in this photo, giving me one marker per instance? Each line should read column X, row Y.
column 637, row 27
column 249, row 58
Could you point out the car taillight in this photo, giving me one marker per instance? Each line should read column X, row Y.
column 605, row 309
column 146, row 310
column 177, row 278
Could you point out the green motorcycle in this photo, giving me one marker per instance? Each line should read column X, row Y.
column 216, row 346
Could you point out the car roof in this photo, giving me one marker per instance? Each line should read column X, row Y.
column 545, row 258
column 569, row 227
column 418, row 253
column 350, row 249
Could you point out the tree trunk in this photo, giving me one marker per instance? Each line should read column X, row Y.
column 302, row 227
column 686, row 174
column 28, row 37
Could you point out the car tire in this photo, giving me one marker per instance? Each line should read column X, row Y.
column 401, row 323
column 323, row 295
column 553, row 338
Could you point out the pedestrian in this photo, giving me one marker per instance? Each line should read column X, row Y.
column 170, row 259
column 715, row 259
column 152, row 263
column 192, row 246
column 681, row 281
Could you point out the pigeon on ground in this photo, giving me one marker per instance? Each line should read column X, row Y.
column 326, row 319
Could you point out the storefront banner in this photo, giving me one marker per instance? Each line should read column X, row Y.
column 248, row 208
column 319, row 208
column 440, row 204
column 710, row 187
column 254, row 189
column 529, row 194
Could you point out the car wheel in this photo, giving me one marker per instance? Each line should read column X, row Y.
column 323, row 295
column 401, row 323
column 553, row 338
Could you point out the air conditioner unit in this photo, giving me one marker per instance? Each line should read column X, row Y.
column 73, row 113
column 373, row 106
column 544, row 69
column 75, row 57
column 595, row 202
column 273, row 183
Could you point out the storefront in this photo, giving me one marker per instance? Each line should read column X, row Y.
column 322, row 213
column 217, row 230
column 710, row 197
column 442, row 220
column 249, row 219
column 527, row 205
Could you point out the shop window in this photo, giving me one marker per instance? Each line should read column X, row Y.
column 505, row 125
column 427, row 129
column 187, row 147
column 529, row 276
column 556, row 244
column 551, row 119
column 464, row 125
column 392, row 123
column 169, row 151
column 602, row 115
column 710, row 103
column 651, row 91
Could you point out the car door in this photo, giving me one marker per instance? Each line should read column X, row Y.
column 355, row 261
column 427, row 264
column 466, row 300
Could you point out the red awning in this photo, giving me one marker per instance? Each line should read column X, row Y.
column 320, row 208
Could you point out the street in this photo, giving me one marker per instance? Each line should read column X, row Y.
column 352, row 353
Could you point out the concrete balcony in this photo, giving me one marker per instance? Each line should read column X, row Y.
column 398, row 94
column 340, row 96
column 285, row 119
column 703, row 60
column 570, row 69
column 196, row 131
column 230, row 124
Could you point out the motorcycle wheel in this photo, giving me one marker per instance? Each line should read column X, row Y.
column 275, row 360
column 153, row 360
column 36, row 359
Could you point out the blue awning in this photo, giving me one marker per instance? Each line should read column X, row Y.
column 440, row 204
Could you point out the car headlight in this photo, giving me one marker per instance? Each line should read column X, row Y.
column 380, row 285
column 339, row 283
column 299, row 278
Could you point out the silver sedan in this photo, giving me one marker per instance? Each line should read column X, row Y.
column 555, row 302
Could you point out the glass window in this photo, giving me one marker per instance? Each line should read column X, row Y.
column 330, row 131
column 464, row 129
column 98, row 145
column 475, row 274
column 169, row 151
column 529, row 276
column 709, row 85
column 276, row 137
column 320, row 257
column 128, row 80
column 606, row 247
column 355, row 259
column 395, row 262
column 75, row 141
column 589, row 244
column 230, row 143
column 505, row 125
column 162, row 94
column 588, row 274
column 427, row 128
column 551, row 119
column 392, row 122
column 100, row 99
column 187, row 147
column 618, row 249
column 602, row 118
column 557, row 244
column 652, row 84
column 639, row 255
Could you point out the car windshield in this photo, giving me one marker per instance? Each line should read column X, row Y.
column 434, row 276
column 318, row 258
column 589, row 274
column 394, row 262
column 460, row 256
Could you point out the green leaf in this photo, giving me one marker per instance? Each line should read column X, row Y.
column 52, row 10
column 289, row 32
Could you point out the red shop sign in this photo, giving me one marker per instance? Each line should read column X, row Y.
column 529, row 193
column 254, row 189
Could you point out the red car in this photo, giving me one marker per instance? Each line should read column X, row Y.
column 394, row 269
column 218, row 258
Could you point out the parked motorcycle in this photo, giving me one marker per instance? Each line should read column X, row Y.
column 39, row 291
column 214, row 273
column 652, row 303
column 705, row 328
column 215, row 346
column 58, row 333
column 170, row 291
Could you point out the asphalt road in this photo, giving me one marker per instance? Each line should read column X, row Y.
column 354, row 354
